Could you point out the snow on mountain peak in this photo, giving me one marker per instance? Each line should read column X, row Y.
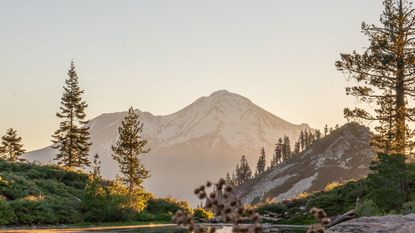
column 228, row 116
column 208, row 136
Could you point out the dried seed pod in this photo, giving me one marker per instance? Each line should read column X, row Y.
column 196, row 191
column 202, row 195
column 313, row 210
column 208, row 204
column 325, row 221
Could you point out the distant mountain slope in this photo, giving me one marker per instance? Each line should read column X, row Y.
column 202, row 141
column 343, row 155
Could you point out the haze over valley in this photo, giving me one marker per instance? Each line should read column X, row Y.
column 200, row 142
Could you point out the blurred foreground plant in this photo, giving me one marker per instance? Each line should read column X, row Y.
column 321, row 216
column 225, row 205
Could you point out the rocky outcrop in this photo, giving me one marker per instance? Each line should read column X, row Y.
column 384, row 224
column 343, row 155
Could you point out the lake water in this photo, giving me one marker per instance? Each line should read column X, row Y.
column 178, row 230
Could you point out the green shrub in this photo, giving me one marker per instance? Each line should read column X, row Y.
column 167, row 205
column 340, row 199
column 162, row 209
column 149, row 217
column 368, row 208
column 66, row 211
column 33, row 212
column 408, row 208
column 146, row 217
column 33, row 194
column 274, row 207
column 7, row 215
column 201, row 213
column 388, row 182
column 15, row 187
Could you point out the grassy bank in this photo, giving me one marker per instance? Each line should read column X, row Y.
column 37, row 195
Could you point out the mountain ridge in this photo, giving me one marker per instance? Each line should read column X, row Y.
column 207, row 137
column 343, row 155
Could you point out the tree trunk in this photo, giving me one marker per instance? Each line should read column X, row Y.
column 400, row 88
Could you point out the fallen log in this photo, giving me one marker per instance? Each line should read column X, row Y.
column 271, row 214
column 346, row 216
column 270, row 219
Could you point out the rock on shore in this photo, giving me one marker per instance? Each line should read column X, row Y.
column 389, row 224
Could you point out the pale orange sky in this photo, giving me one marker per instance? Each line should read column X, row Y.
column 160, row 56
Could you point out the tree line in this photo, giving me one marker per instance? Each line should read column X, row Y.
column 72, row 139
column 282, row 152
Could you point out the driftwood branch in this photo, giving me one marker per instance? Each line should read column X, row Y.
column 346, row 216
column 270, row 219
column 270, row 216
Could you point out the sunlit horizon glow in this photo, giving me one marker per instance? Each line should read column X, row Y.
column 160, row 56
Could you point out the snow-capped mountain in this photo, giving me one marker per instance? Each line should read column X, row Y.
column 202, row 141
column 343, row 155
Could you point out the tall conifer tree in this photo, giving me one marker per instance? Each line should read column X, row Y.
column 244, row 171
column 72, row 138
column 127, row 150
column 326, row 130
column 318, row 135
column 11, row 147
column 297, row 148
column 278, row 154
column 302, row 141
column 385, row 75
column 262, row 163
column 286, row 148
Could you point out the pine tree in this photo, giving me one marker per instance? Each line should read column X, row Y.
column 262, row 163
column 96, row 172
column 72, row 139
column 233, row 178
column 244, row 171
column 310, row 138
column 302, row 141
column 385, row 73
column 237, row 176
column 286, row 148
column 306, row 139
column 230, row 180
column 326, row 130
column 127, row 149
column 278, row 154
column 11, row 147
column 297, row 148
column 318, row 134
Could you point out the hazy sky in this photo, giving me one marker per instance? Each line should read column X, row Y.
column 160, row 56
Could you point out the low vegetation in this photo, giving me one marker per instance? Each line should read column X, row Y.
column 389, row 189
column 41, row 195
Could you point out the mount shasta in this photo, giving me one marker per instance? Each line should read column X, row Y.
column 201, row 142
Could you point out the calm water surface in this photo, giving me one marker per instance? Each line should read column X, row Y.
column 178, row 230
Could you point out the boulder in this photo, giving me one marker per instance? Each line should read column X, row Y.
column 384, row 224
